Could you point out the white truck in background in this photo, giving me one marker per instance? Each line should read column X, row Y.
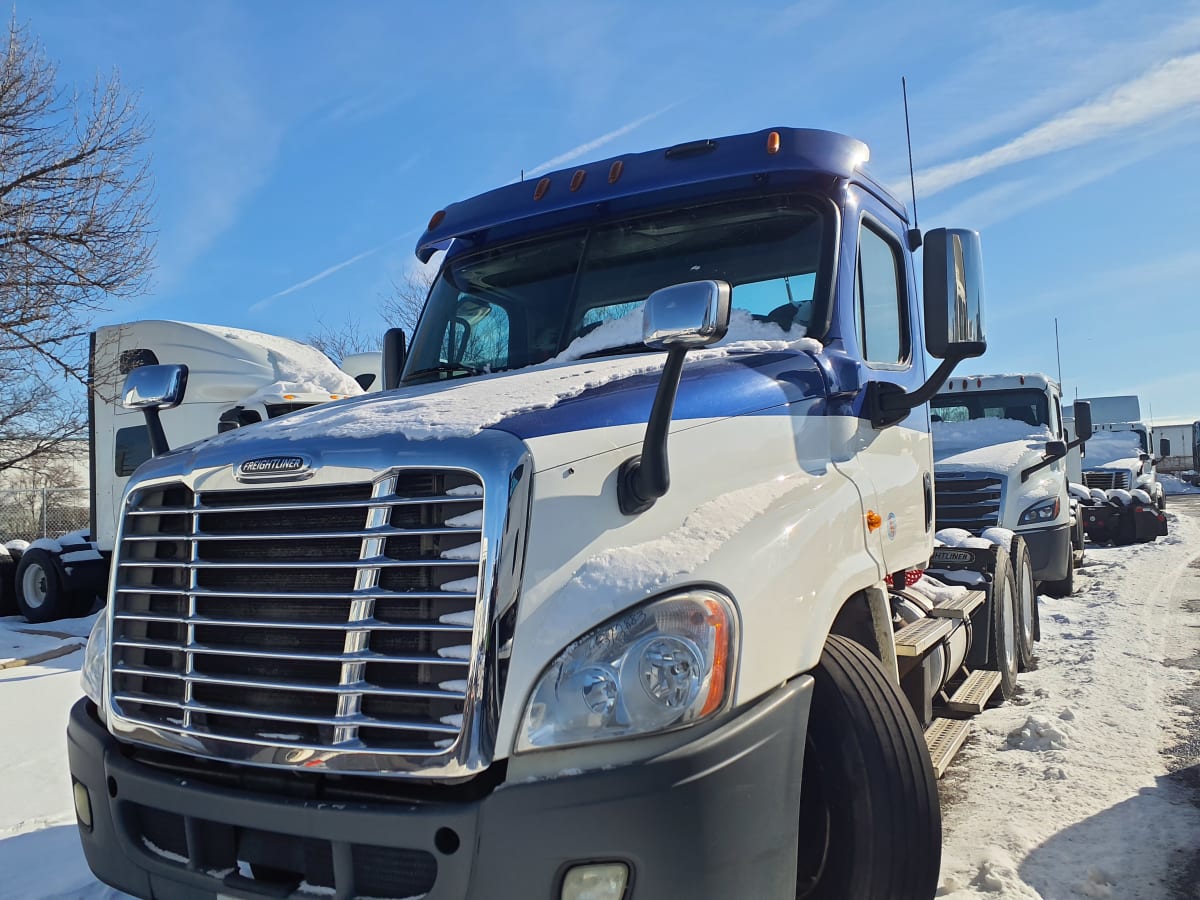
column 234, row 378
column 1121, row 454
column 1002, row 459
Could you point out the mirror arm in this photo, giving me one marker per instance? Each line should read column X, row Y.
column 158, row 437
column 642, row 479
column 888, row 403
column 1038, row 466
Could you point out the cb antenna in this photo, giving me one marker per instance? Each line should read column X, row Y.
column 914, row 233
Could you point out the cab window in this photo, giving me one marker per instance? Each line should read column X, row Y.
column 880, row 304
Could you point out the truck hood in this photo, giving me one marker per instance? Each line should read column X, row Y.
column 576, row 398
column 1002, row 446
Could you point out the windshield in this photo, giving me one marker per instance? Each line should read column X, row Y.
column 1110, row 446
column 1023, row 405
column 524, row 302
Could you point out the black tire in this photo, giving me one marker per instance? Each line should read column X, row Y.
column 1026, row 601
column 8, row 584
column 41, row 588
column 1162, row 501
column 1003, row 652
column 870, row 822
column 1066, row 587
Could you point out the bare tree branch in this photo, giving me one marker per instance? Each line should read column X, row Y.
column 74, row 234
column 399, row 309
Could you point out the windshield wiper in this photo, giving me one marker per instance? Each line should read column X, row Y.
column 448, row 368
column 621, row 348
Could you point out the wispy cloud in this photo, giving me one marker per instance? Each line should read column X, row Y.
column 1169, row 88
column 583, row 149
column 308, row 282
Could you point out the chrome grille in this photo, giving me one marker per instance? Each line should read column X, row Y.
column 969, row 502
column 318, row 617
column 1106, row 479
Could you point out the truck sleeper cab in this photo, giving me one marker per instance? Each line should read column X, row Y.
column 559, row 616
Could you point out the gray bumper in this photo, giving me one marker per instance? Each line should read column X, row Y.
column 1048, row 549
column 716, row 818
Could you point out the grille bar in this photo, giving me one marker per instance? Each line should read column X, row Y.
column 306, row 507
column 314, row 607
column 968, row 502
column 373, row 624
column 1106, row 480
column 264, row 684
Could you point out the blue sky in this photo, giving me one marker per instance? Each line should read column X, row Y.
column 300, row 147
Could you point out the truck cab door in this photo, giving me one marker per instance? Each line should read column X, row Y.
column 880, row 319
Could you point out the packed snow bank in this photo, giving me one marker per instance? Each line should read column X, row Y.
column 1173, row 485
column 1064, row 791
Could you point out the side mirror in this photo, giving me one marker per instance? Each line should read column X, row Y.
column 1144, row 456
column 675, row 319
column 395, row 349
column 953, row 282
column 1164, row 447
column 1056, row 449
column 152, row 389
column 1083, row 420
column 693, row 314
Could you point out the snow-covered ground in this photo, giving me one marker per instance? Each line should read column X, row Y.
column 1066, row 792
column 1070, row 790
column 1173, row 485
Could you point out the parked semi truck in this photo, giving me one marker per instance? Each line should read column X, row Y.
column 595, row 603
column 234, row 378
column 1003, row 459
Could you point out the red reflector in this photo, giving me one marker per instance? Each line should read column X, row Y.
column 540, row 191
column 436, row 219
column 615, row 171
column 773, row 142
column 577, row 179
column 978, row 382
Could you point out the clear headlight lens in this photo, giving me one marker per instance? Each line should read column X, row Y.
column 91, row 676
column 1041, row 512
column 662, row 665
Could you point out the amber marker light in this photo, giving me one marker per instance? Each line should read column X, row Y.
column 540, row 191
column 773, row 142
column 874, row 520
column 436, row 219
column 614, row 171
column 577, row 179
column 716, row 687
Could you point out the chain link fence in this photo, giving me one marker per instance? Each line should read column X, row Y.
column 43, row 512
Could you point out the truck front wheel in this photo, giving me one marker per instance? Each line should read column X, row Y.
column 870, row 823
column 1027, row 611
column 41, row 594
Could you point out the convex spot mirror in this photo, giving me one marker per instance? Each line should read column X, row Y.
column 155, row 387
column 953, row 287
column 1056, row 449
column 692, row 314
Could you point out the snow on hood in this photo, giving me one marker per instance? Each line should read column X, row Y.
column 994, row 445
column 1114, row 449
column 464, row 407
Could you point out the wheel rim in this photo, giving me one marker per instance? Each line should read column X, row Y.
column 33, row 586
column 1008, row 614
column 1028, row 598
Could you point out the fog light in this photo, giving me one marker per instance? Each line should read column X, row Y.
column 83, row 805
column 595, row 881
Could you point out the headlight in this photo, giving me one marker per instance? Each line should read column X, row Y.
column 662, row 665
column 1043, row 511
column 91, row 676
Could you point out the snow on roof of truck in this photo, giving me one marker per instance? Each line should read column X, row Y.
column 636, row 181
column 1005, row 381
column 290, row 366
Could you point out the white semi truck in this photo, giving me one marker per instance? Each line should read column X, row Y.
column 595, row 603
column 234, row 378
column 1002, row 458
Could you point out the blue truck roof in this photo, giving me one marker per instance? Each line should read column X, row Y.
column 623, row 184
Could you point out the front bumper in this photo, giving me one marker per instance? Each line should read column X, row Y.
column 715, row 818
column 1048, row 551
